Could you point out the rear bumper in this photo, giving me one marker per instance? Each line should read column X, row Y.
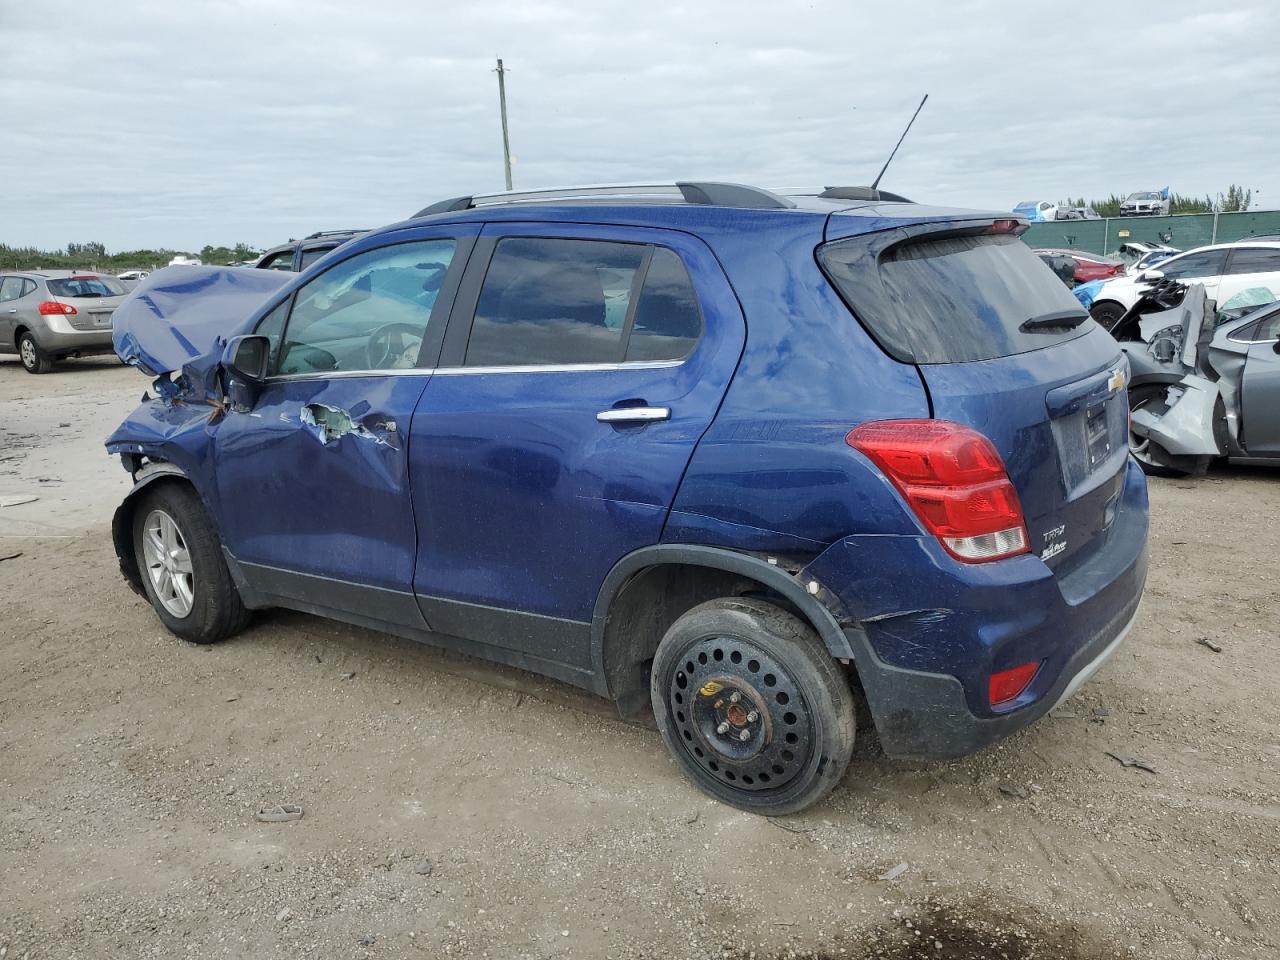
column 926, row 646
column 71, row 340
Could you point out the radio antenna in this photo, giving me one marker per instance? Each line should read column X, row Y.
column 875, row 183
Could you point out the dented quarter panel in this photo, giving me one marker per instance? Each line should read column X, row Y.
column 982, row 617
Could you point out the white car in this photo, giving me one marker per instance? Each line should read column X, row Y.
column 1225, row 269
column 181, row 260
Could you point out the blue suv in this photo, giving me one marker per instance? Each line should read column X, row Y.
column 739, row 459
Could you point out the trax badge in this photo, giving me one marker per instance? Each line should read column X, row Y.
column 1052, row 545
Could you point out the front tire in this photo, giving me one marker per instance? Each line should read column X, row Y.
column 181, row 566
column 752, row 706
column 34, row 359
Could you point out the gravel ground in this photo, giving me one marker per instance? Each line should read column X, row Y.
column 453, row 808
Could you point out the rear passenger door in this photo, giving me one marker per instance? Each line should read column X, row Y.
column 581, row 366
column 1250, row 267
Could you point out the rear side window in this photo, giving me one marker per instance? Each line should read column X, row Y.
column 668, row 321
column 954, row 298
column 311, row 255
column 10, row 288
column 1255, row 260
column 550, row 301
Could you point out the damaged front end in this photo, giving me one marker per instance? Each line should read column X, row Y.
column 180, row 326
column 1185, row 376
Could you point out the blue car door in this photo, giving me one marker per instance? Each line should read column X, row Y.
column 581, row 366
column 313, row 480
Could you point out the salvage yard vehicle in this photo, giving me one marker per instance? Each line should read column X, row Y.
column 1146, row 203
column 719, row 454
column 46, row 315
column 1205, row 381
column 1223, row 269
column 297, row 255
column 1087, row 266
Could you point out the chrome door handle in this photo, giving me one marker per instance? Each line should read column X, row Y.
column 634, row 414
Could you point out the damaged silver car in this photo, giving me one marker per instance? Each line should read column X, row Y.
column 1204, row 381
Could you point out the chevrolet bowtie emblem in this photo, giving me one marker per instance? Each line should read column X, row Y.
column 1116, row 381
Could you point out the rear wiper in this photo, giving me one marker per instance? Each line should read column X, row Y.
column 1057, row 320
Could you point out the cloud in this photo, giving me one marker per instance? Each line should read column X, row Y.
column 154, row 123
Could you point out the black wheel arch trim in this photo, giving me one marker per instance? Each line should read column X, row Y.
column 122, row 520
column 834, row 637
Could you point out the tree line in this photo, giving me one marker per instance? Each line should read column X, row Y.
column 94, row 255
column 1237, row 199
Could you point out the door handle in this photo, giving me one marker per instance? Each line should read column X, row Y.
column 13, row 309
column 634, row 414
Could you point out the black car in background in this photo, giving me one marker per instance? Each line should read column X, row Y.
column 297, row 255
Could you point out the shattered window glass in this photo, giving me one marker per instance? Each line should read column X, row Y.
column 369, row 312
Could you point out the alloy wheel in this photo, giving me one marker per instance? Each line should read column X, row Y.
column 168, row 563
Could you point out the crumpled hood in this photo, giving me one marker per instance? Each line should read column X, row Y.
column 180, row 314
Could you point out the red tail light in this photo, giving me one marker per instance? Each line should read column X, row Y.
column 1008, row 684
column 1004, row 226
column 954, row 480
column 52, row 308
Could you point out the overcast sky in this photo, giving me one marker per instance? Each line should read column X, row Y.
column 176, row 124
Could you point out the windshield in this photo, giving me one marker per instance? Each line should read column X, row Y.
column 954, row 298
column 1144, row 196
column 86, row 287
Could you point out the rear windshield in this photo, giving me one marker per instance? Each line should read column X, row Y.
column 83, row 287
column 952, row 299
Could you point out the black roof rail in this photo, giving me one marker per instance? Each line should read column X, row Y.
column 706, row 193
column 332, row 233
column 860, row 193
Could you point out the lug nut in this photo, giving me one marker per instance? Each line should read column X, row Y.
column 735, row 697
column 723, row 728
column 745, row 735
column 752, row 717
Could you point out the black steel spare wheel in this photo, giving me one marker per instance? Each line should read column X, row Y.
column 753, row 706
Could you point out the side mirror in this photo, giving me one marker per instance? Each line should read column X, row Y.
column 246, row 357
column 1151, row 273
column 1275, row 347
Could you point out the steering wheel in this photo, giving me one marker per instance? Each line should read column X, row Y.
column 394, row 346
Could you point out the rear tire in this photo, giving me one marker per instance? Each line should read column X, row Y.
column 34, row 359
column 181, row 566
column 1107, row 313
column 753, row 706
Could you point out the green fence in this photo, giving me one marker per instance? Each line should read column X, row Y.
column 1184, row 231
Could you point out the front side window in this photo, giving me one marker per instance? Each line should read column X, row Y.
column 370, row 312
column 1206, row 263
column 283, row 260
column 559, row 301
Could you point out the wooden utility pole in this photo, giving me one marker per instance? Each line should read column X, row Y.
column 502, row 104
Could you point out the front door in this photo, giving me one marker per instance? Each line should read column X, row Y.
column 313, row 481
column 581, row 367
column 1260, row 391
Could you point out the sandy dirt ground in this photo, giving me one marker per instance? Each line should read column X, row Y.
column 456, row 809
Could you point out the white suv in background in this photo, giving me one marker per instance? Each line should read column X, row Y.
column 1225, row 269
